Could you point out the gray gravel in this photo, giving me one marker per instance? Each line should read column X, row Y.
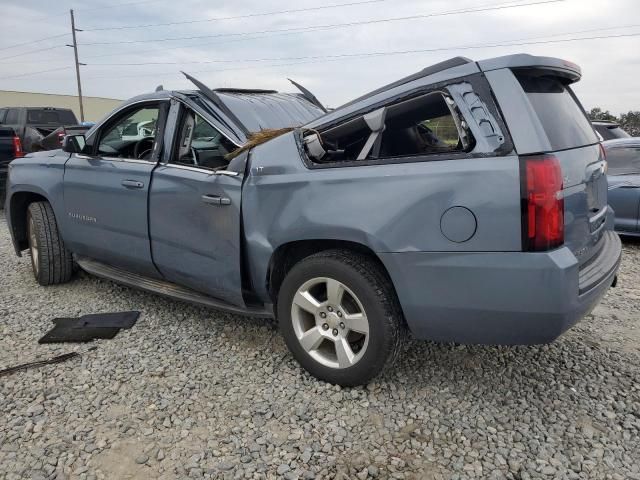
column 189, row 392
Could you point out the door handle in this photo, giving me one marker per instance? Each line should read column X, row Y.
column 132, row 184
column 216, row 200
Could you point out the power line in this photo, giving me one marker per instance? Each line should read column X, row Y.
column 336, row 25
column 32, row 51
column 236, row 17
column 34, row 41
column 35, row 73
column 166, row 49
column 346, row 56
column 296, row 31
column 117, row 5
column 577, row 32
column 105, row 7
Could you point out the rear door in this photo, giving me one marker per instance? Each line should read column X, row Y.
column 194, row 209
column 545, row 118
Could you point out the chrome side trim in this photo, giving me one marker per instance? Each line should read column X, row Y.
column 114, row 159
column 126, row 160
column 202, row 170
column 187, row 167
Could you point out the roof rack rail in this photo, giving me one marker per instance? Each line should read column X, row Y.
column 243, row 90
column 438, row 67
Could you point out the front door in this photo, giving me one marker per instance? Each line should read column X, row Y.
column 194, row 211
column 106, row 189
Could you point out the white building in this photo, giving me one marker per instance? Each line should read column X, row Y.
column 94, row 107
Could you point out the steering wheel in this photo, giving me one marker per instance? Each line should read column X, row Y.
column 143, row 148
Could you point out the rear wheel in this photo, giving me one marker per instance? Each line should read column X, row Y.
column 52, row 263
column 340, row 317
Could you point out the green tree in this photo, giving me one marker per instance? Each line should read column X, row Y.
column 598, row 114
column 630, row 122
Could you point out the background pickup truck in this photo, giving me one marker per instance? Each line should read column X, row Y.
column 35, row 126
column 10, row 148
column 467, row 202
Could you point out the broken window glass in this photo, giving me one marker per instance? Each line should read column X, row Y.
column 426, row 125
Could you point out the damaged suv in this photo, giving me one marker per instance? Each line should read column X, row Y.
column 466, row 203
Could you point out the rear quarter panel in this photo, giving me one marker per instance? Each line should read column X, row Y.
column 388, row 208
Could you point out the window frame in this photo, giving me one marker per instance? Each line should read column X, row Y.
column 479, row 86
column 94, row 143
column 183, row 110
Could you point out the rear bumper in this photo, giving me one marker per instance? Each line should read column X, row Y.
column 506, row 298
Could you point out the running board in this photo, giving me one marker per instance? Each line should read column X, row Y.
column 164, row 288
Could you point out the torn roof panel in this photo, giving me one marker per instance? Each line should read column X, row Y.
column 269, row 110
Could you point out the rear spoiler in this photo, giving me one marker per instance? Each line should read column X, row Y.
column 559, row 67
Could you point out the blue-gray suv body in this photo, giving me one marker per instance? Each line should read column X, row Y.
column 467, row 202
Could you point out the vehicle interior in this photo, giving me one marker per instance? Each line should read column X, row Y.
column 200, row 144
column 132, row 135
column 428, row 124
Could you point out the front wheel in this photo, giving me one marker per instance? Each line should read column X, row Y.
column 52, row 263
column 340, row 317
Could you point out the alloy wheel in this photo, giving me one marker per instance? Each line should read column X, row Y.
column 330, row 322
column 33, row 246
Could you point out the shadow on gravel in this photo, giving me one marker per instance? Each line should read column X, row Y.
column 630, row 241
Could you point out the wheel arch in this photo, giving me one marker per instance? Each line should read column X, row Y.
column 18, row 205
column 286, row 255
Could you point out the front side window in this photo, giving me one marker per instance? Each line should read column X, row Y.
column 131, row 136
column 426, row 125
column 200, row 144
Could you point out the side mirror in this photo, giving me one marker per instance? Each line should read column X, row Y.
column 74, row 143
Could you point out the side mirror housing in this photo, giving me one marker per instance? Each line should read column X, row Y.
column 74, row 143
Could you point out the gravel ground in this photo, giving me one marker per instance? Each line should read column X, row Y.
column 189, row 392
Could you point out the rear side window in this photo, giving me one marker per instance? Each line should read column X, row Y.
column 426, row 125
column 55, row 117
column 3, row 114
column 558, row 110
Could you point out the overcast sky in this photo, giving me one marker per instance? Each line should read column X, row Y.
column 227, row 51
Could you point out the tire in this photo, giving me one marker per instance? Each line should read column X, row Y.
column 52, row 263
column 326, row 332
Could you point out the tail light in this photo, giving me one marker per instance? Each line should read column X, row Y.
column 542, row 203
column 17, row 147
column 61, row 138
column 603, row 155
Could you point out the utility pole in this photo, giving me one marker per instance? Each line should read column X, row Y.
column 75, row 53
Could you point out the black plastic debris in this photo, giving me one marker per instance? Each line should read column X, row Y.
column 89, row 327
column 41, row 363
